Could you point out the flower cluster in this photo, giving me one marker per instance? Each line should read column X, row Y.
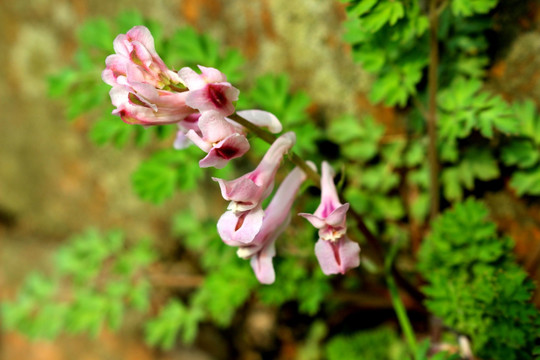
column 146, row 92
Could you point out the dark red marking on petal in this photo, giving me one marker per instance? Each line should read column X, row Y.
column 226, row 152
column 217, row 97
column 240, row 221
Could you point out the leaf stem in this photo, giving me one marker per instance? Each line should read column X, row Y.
column 432, row 110
column 270, row 138
column 397, row 303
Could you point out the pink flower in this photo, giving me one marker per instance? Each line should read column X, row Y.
column 136, row 47
column 141, row 103
column 334, row 251
column 240, row 229
column 247, row 192
column 219, row 138
column 144, row 90
column 257, row 117
column 209, row 90
column 276, row 218
column 330, row 216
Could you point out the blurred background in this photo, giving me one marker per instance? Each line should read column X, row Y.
column 54, row 182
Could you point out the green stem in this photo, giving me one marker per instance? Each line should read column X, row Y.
column 433, row 159
column 399, row 308
column 401, row 314
column 270, row 138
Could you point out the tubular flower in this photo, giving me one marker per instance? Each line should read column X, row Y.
column 209, row 90
column 140, row 103
column 219, row 138
column 136, row 47
column 276, row 218
column 144, row 90
column 246, row 192
column 330, row 216
column 335, row 252
column 243, row 220
column 257, row 117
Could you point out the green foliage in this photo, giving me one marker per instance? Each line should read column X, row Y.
column 382, row 344
column 296, row 281
column 464, row 107
column 475, row 286
column 523, row 151
column 464, row 47
column 359, row 140
column 477, row 163
column 156, row 178
column 471, row 7
column 227, row 286
column 174, row 317
column 273, row 93
column 388, row 39
column 186, row 47
column 96, row 280
column 423, row 353
column 527, row 182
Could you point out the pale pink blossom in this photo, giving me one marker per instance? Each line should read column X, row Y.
column 144, row 90
column 136, row 47
column 335, row 252
column 209, row 90
column 141, row 103
column 276, row 218
column 218, row 138
column 247, row 192
column 330, row 216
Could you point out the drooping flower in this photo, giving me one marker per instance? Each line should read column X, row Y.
column 259, row 118
column 141, row 103
column 330, row 216
column 243, row 220
column 276, row 218
column 136, row 47
column 144, row 90
column 249, row 190
column 335, row 252
column 209, row 90
column 219, row 138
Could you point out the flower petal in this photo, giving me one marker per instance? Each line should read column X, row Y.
column 262, row 264
column 337, row 257
column 230, row 148
column 262, row 119
column 240, row 230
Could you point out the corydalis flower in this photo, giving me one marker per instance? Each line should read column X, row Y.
column 141, row 103
column 259, row 118
column 335, row 252
column 219, row 138
column 276, row 218
column 144, row 90
column 136, row 47
column 243, row 220
column 246, row 192
column 209, row 90
column 330, row 216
